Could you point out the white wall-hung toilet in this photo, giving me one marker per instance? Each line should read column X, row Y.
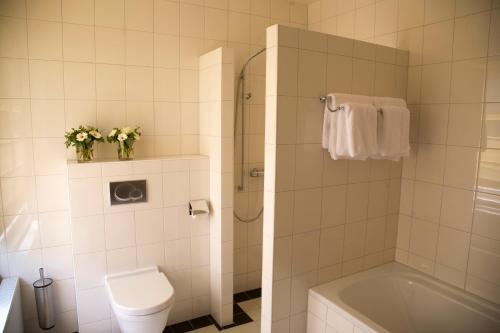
column 141, row 299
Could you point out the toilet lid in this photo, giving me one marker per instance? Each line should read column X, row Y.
column 140, row 292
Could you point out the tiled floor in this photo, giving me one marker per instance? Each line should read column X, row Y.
column 252, row 308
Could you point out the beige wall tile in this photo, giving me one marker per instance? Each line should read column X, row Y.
column 453, row 248
column 110, row 45
column 13, row 38
column 13, row 8
column 468, row 81
column 411, row 13
column 79, row 80
column 215, row 24
column 487, row 180
column 45, row 40
column 76, row 11
column 439, row 10
column 483, row 260
column 78, row 42
column 364, row 25
column 44, row 10
column 485, row 220
column 470, row 39
column 46, row 79
column 110, row 13
column 494, row 44
column 386, row 18
column 461, row 167
column 438, row 42
column 363, row 77
column 427, row 201
column 139, row 15
column 191, row 21
column 433, row 123
column 493, row 80
column 14, row 78
column 465, row 7
column 491, row 126
column 139, row 83
column 436, row 83
column 423, row 239
column 139, row 48
column 340, row 74
column 110, row 82
column 431, row 163
column 463, row 116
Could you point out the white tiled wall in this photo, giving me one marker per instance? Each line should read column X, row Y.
column 109, row 239
column 322, row 218
column 449, row 224
column 107, row 63
column 248, row 201
column 216, row 141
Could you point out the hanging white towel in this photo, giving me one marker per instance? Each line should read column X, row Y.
column 394, row 132
column 379, row 102
column 353, row 132
column 360, row 130
column 329, row 118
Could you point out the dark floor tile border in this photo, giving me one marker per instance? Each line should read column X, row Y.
column 247, row 295
column 239, row 316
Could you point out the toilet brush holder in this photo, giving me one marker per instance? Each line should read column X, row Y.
column 44, row 299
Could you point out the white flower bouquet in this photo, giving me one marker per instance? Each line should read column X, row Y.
column 83, row 138
column 125, row 137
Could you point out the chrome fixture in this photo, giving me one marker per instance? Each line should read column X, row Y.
column 256, row 172
column 241, row 90
column 327, row 100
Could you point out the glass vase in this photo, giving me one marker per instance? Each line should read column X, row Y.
column 84, row 154
column 125, row 153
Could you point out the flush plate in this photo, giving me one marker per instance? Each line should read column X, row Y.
column 128, row 192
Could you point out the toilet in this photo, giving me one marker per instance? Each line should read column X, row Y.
column 141, row 299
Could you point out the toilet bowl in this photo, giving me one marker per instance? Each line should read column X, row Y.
column 141, row 299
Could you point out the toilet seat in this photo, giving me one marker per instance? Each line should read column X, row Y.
column 140, row 292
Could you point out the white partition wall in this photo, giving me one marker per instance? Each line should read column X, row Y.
column 110, row 239
column 216, row 141
column 322, row 218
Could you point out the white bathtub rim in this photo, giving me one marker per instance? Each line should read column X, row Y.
column 349, row 314
column 329, row 293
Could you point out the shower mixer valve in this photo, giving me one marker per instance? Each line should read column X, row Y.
column 256, row 172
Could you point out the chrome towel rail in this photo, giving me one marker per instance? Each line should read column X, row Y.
column 327, row 99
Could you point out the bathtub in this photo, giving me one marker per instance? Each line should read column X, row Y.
column 395, row 298
column 11, row 320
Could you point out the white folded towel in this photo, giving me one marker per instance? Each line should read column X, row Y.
column 361, row 130
column 379, row 102
column 394, row 132
column 335, row 101
column 353, row 132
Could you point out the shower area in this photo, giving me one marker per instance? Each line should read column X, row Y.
column 249, row 115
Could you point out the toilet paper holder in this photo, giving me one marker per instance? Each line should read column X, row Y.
column 198, row 207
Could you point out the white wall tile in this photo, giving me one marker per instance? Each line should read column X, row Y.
column 119, row 230
column 88, row 234
column 45, row 40
column 21, row 232
column 78, row 42
column 90, row 269
column 58, row 262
